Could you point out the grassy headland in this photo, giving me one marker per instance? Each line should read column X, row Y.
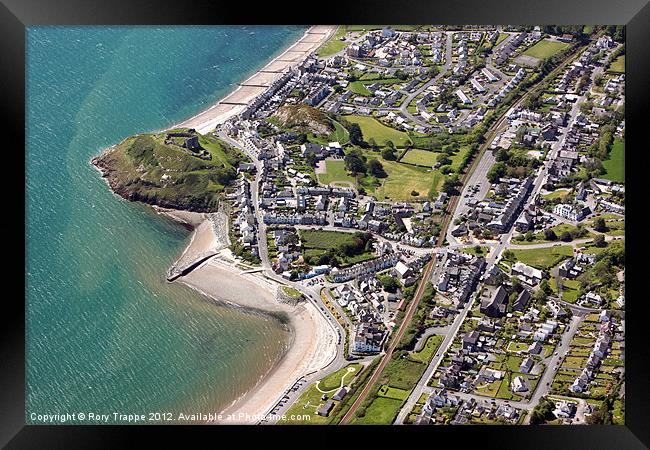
column 158, row 169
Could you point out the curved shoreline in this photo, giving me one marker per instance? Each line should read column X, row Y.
column 312, row 342
column 312, row 345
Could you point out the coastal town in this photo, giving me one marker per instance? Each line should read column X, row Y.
column 446, row 202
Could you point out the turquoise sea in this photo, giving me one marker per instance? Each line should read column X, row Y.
column 105, row 332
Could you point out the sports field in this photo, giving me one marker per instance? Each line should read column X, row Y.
column 545, row 49
column 336, row 173
column 403, row 180
column 419, row 157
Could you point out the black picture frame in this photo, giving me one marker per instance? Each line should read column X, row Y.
column 17, row 15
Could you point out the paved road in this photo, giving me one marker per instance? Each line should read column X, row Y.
column 542, row 389
column 444, row 69
column 433, row 365
column 394, row 342
column 312, row 294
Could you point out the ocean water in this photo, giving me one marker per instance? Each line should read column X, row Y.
column 105, row 332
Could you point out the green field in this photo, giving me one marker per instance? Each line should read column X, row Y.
column 615, row 165
column 316, row 243
column 482, row 250
column 334, row 44
column 545, row 49
column 403, row 179
column 371, row 128
column 618, row 65
column 391, row 392
column 543, row 258
column 340, row 134
column 340, row 377
column 311, row 399
column 501, row 37
column 419, row 157
column 558, row 193
column 382, row 411
column 335, row 173
column 359, row 88
column 428, row 350
column 324, row 240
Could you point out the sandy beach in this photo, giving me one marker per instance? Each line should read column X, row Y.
column 313, row 342
column 237, row 101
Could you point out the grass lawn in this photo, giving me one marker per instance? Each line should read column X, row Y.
column 324, row 239
column 335, row 173
column 618, row 65
column 543, row 258
column 482, row 250
column 559, row 193
column 545, row 49
column 306, row 406
column 391, row 392
column 334, row 44
column 359, row 88
column 419, row 157
column 517, row 346
column 310, row 400
column 294, row 293
column 574, row 362
column 372, row 128
column 501, row 37
column 513, row 362
column 615, row 165
column 596, row 250
column 402, row 180
column 570, row 290
column 428, row 350
column 342, row 376
column 382, row 411
column 489, row 389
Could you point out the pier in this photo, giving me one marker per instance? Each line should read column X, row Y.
column 183, row 269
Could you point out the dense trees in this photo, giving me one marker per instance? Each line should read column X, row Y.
column 600, row 225
column 497, row 171
column 389, row 283
column 388, row 154
column 355, row 162
column 450, row 184
column 356, row 136
column 376, row 168
column 543, row 412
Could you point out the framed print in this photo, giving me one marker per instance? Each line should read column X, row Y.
column 271, row 220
